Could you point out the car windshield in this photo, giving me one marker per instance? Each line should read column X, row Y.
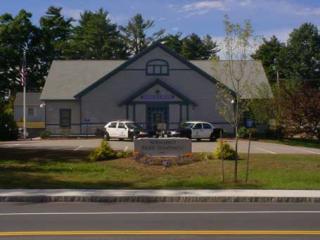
column 132, row 125
column 187, row 125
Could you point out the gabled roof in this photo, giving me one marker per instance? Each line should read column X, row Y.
column 142, row 53
column 70, row 79
column 162, row 84
column 253, row 82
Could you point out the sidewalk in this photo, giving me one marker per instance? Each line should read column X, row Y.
column 84, row 195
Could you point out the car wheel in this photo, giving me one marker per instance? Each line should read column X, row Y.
column 107, row 136
column 132, row 137
column 212, row 138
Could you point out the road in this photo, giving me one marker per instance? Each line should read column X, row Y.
column 204, row 146
column 159, row 221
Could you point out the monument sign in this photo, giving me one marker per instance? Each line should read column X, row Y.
column 163, row 147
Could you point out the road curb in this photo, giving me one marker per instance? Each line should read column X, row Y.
column 148, row 199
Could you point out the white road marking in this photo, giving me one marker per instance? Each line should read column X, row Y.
column 150, row 213
column 77, row 148
column 265, row 150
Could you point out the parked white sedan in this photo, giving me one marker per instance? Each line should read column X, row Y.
column 123, row 130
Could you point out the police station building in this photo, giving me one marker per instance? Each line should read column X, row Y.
column 157, row 85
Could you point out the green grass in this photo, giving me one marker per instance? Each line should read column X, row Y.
column 69, row 169
column 297, row 142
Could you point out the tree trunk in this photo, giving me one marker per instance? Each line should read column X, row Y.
column 222, row 160
column 248, row 157
column 237, row 138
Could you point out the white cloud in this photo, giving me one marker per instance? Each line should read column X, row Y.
column 73, row 13
column 203, row 7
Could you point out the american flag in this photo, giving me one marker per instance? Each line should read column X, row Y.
column 23, row 70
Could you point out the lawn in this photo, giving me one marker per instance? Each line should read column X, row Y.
column 71, row 169
column 296, row 142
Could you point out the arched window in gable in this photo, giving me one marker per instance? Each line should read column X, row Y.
column 157, row 67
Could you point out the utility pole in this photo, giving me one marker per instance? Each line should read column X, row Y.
column 23, row 80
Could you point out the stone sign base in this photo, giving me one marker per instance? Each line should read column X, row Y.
column 163, row 147
column 163, row 151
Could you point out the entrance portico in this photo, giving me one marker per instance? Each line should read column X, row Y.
column 158, row 103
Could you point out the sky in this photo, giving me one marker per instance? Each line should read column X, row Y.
column 268, row 17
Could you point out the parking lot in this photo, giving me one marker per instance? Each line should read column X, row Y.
column 204, row 146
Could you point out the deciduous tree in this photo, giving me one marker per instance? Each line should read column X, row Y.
column 230, row 103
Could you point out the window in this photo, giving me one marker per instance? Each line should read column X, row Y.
column 157, row 67
column 113, row 125
column 30, row 112
column 65, row 117
column 121, row 125
column 206, row 126
column 197, row 126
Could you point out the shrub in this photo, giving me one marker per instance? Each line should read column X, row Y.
column 244, row 132
column 225, row 151
column 105, row 152
column 8, row 127
column 45, row 134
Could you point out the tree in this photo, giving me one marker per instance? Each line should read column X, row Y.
column 303, row 53
column 8, row 127
column 16, row 34
column 271, row 52
column 56, row 31
column 136, row 34
column 300, row 111
column 173, row 42
column 96, row 38
column 230, row 102
column 193, row 47
column 210, row 47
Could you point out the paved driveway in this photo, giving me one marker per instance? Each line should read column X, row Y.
column 86, row 144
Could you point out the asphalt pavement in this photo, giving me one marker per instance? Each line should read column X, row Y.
column 159, row 221
column 203, row 146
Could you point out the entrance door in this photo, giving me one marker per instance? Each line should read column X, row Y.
column 157, row 115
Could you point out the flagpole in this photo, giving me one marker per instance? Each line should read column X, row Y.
column 24, row 97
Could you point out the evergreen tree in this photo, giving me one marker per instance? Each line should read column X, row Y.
column 303, row 53
column 136, row 36
column 96, row 38
column 16, row 34
column 271, row 52
column 195, row 48
column 56, row 31
column 173, row 42
column 210, row 47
